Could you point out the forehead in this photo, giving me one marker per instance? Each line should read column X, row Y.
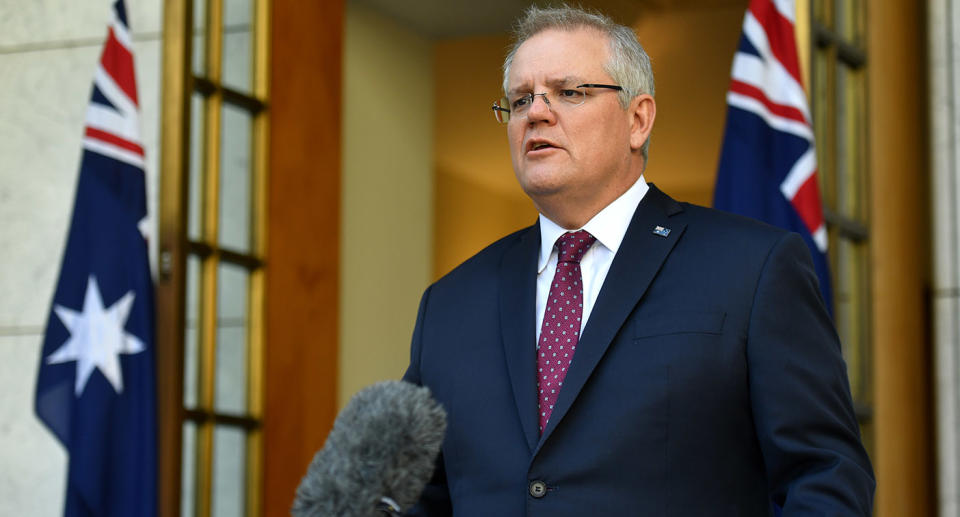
column 556, row 55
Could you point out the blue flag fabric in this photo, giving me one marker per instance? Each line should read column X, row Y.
column 96, row 382
column 768, row 165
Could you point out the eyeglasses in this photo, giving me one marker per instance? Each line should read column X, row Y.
column 517, row 106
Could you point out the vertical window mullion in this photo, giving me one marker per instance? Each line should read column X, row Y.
column 258, row 241
column 839, row 104
column 206, row 386
column 211, row 181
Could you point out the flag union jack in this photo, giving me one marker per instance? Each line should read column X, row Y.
column 96, row 383
column 768, row 163
column 113, row 122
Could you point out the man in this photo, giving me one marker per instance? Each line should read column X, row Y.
column 662, row 359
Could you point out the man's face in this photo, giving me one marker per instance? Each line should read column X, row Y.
column 587, row 156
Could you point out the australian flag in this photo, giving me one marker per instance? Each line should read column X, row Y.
column 95, row 387
column 768, row 164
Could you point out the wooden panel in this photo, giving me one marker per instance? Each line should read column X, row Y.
column 170, row 285
column 900, row 246
column 303, row 241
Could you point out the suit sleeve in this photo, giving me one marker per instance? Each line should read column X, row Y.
column 800, row 396
column 435, row 500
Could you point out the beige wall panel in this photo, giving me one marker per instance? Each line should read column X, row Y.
column 387, row 194
column 470, row 143
column 477, row 197
column 53, row 23
column 43, row 101
column 35, row 465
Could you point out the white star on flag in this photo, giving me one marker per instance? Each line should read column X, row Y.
column 97, row 337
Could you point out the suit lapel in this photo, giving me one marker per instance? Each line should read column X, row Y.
column 636, row 263
column 518, row 283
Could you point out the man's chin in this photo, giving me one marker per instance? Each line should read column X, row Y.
column 541, row 188
column 542, row 175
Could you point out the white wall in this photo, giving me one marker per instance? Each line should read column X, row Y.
column 944, row 79
column 48, row 53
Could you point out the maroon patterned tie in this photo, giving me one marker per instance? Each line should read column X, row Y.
column 561, row 320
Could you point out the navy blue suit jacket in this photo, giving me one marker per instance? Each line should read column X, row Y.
column 708, row 381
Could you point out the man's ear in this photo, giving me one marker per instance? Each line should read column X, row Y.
column 642, row 111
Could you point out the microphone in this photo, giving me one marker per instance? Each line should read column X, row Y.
column 378, row 457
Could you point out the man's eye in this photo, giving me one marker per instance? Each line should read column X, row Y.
column 569, row 94
column 520, row 102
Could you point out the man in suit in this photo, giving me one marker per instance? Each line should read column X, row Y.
column 628, row 354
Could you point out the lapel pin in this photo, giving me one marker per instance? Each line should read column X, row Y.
column 661, row 231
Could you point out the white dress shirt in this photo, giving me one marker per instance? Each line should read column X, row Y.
column 608, row 226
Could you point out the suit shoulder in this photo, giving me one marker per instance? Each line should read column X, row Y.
column 712, row 221
column 726, row 223
column 735, row 239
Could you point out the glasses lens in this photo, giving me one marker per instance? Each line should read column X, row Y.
column 501, row 109
column 571, row 96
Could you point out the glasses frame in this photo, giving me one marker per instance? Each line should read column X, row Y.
column 503, row 114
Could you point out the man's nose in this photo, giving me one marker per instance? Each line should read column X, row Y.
column 540, row 110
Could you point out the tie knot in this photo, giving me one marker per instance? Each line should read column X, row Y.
column 572, row 245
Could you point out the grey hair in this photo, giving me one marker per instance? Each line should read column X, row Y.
column 629, row 65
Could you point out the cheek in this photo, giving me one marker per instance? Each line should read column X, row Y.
column 514, row 139
column 603, row 143
column 585, row 145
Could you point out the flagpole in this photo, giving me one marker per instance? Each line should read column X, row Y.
column 803, row 31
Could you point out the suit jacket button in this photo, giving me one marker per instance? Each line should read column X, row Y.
column 538, row 489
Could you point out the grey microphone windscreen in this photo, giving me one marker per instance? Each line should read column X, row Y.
column 383, row 444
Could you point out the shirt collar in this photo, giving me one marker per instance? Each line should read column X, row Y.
column 608, row 226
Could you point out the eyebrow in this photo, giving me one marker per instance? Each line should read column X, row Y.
column 550, row 83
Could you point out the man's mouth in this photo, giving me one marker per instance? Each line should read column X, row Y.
column 540, row 145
